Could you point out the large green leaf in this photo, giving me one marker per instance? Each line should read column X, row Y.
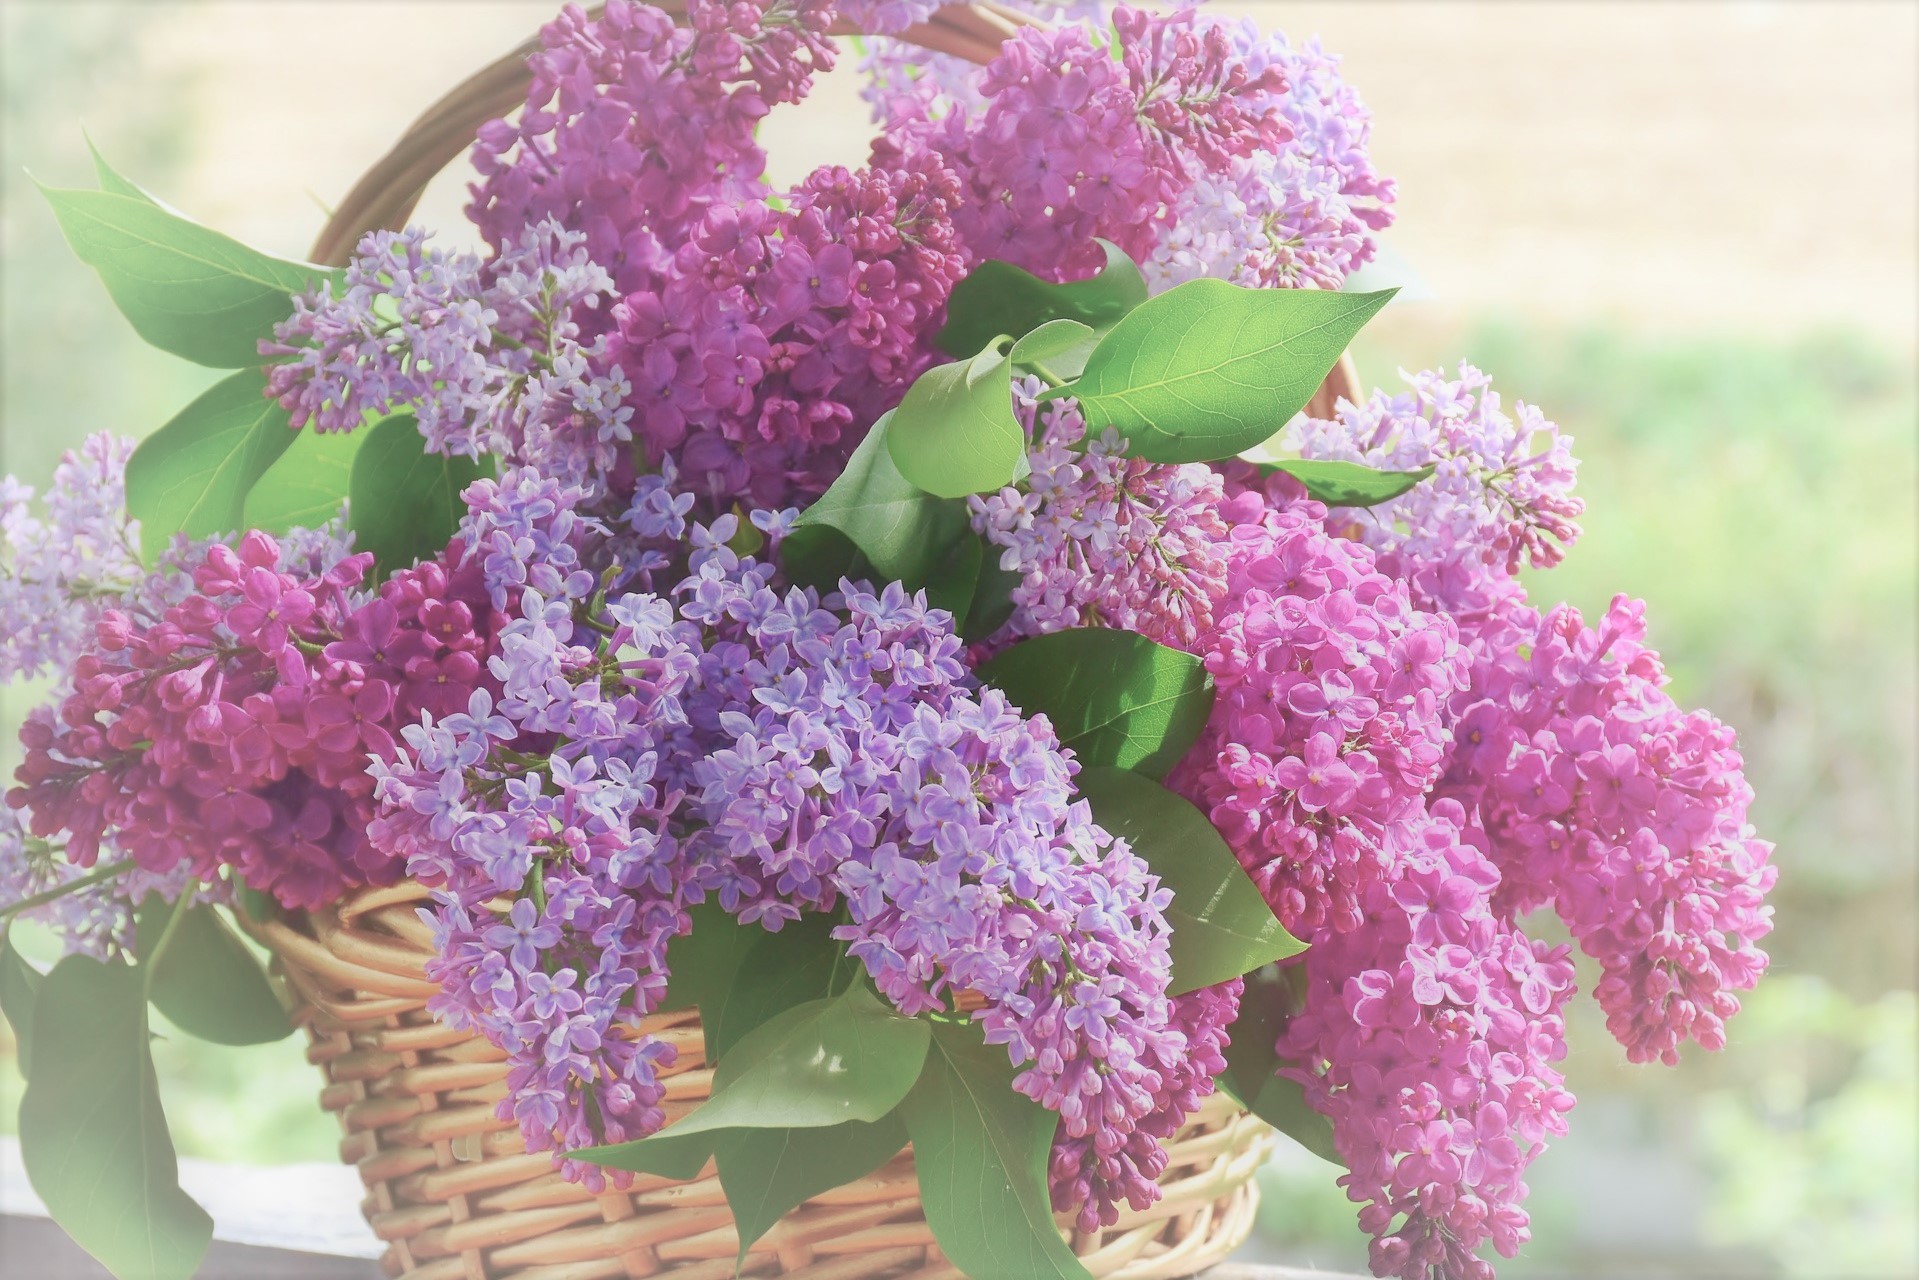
column 1113, row 696
column 850, row 1057
column 1251, row 1062
column 872, row 516
column 954, row 432
column 767, row 1173
column 998, row 298
column 980, row 1151
column 404, row 503
column 1347, row 484
column 308, row 484
column 92, row 1134
column 776, row 972
column 676, row 1156
column 703, row 963
column 19, row 991
column 1221, row 925
column 1208, row 369
column 207, row 982
column 185, row 288
column 192, row 475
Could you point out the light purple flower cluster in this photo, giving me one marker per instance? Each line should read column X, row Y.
column 1427, row 1035
column 1500, row 493
column 1100, row 539
column 1625, row 814
column 487, row 355
column 58, row 572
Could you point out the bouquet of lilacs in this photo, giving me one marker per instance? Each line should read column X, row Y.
column 852, row 611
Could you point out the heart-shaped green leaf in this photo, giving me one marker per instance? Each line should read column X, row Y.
column 1113, row 696
column 873, row 518
column 184, row 288
column 405, row 502
column 1347, row 484
column 998, row 298
column 767, row 1173
column 1207, row 370
column 308, row 484
column 92, row 1134
column 192, row 476
column 702, row 963
column 776, row 972
column 1251, row 1063
column 1221, row 925
column 1057, row 350
column 954, row 432
column 207, row 982
column 980, row 1149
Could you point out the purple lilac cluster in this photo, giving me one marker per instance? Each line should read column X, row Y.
column 1101, row 539
column 488, row 356
column 1428, row 1035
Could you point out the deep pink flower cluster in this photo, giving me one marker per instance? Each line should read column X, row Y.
column 1625, row 814
column 234, row 728
column 1427, row 1035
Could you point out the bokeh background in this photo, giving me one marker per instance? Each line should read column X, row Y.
column 1687, row 232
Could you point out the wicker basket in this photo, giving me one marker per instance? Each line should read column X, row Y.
column 450, row 1187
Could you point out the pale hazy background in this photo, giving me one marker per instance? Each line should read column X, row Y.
column 1687, row 231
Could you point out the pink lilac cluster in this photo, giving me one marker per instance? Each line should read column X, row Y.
column 233, row 727
column 1328, row 723
column 1428, row 1035
column 59, row 570
column 1101, row 539
column 764, row 348
column 488, row 356
column 1500, row 493
column 1627, row 815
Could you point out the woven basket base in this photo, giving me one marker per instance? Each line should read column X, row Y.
column 456, row 1196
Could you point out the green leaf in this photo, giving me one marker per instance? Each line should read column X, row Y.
column 952, row 585
column 768, row 1173
column 703, row 963
column 1057, row 350
column 992, row 599
column 1251, row 1062
column 954, row 432
column 19, row 990
column 404, row 503
column 207, row 982
column 111, row 181
column 851, row 1057
column 192, row 475
column 1113, row 696
column 1208, row 369
column 185, row 288
column 309, row 483
column 777, row 971
column 999, row 298
column 873, row 516
column 1347, row 484
column 679, row 1157
column 980, row 1151
column 92, row 1134
column 1221, row 925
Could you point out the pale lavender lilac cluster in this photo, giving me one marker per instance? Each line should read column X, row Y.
column 488, row 355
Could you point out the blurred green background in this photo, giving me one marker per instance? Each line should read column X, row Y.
column 1686, row 232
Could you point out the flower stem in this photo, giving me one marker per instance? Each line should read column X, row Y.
column 42, row 898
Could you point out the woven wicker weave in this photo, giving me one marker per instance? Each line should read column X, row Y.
column 456, row 1197
column 450, row 1187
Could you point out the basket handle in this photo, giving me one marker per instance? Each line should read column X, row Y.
column 385, row 196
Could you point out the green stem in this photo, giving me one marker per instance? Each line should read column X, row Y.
column 150, row 964
column 42, row 898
